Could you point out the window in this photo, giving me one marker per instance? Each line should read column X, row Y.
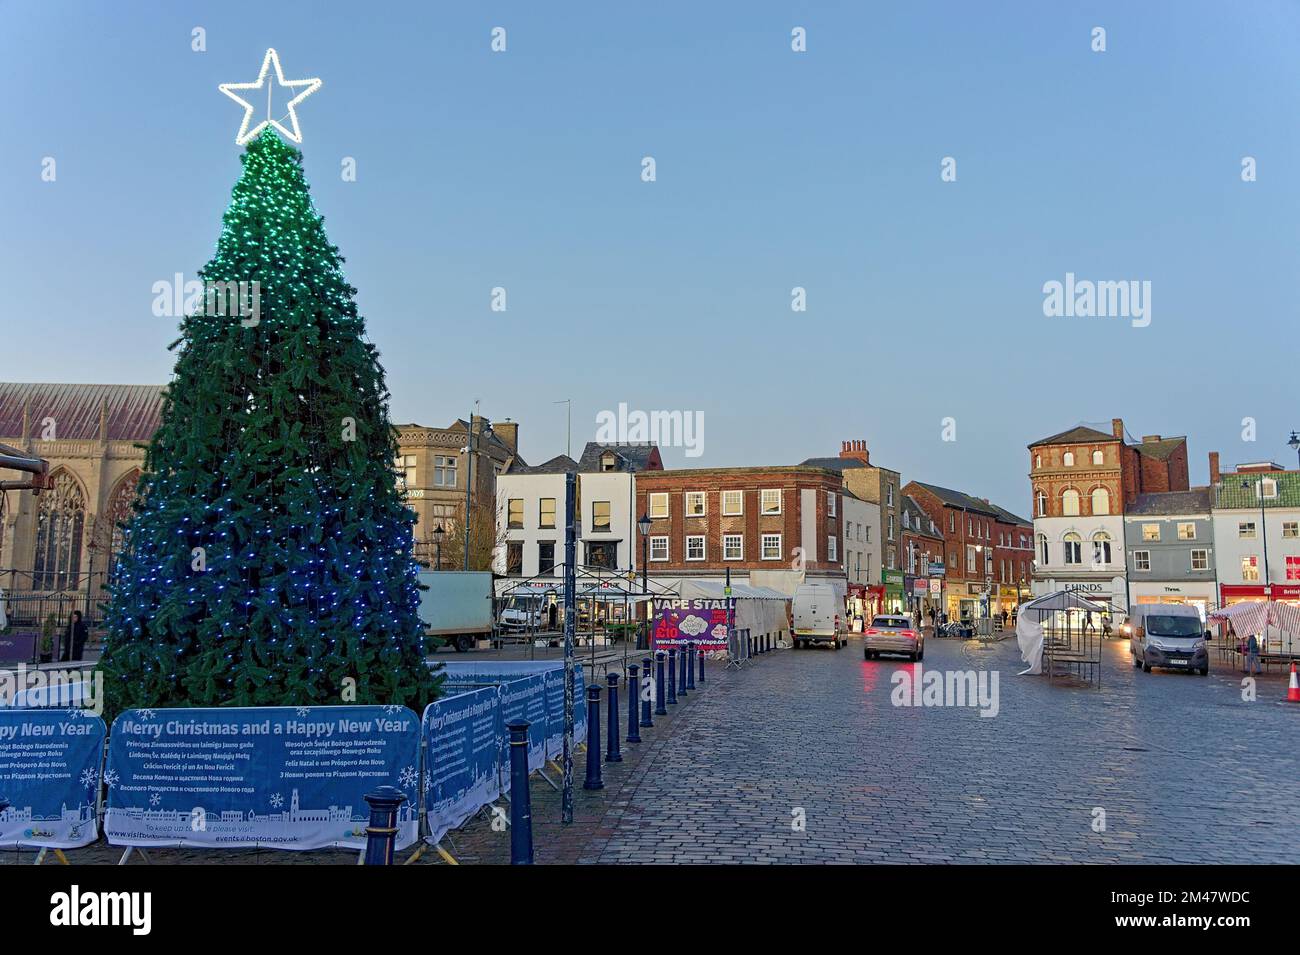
column 889, row 495
column 600, row 516
column 1246, row 529
column 695, row 504
column 658, row 506
column 1038, row 460
column 832, row 548
column 1141, row 560
column 515, row 513
column 1042, row 549
column 545, row 557
column 831, row 499
column 733, row 547
column 1100, row 500
column 695, row 547
column 1070, row 502
column 891, row 527
column 970, row 561
column 1292, row 567
column 868, row 530
column 1097, row 457
column 444, row 471
column 405, row 465
column 659, row 548
column 1186, row 531
column 1291, row 528
column 608, row 461
column 1073, row 548
column 59, row 526
column 546, row 512
column 733, row 503
column 1100, row 548
column 1268, row 488
column 1250, row 568
column 514, row 557
column 1068, row 459
column 770, row 501
column 771, row 546
column 1151, row 532
column 952, row 522
column 121, row 504
column 1200, row 559
column 893, row 558
column 602, row 554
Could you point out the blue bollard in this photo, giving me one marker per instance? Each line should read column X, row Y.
column 593, row 780
column 660, row 697
column 672, row 676
column 647, row 680
column 690, row 665
column 633, row 689
column 521, row 804
column 700, row 656
column 612, row 754
column 683, row 656
column 381, row 834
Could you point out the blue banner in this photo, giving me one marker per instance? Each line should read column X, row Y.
column 277, row 777
column 473, row 672
column 462, row 764
column 50, row 773
column 524, row 698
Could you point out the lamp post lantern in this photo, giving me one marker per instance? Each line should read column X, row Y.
column 1294, row 445
column 438, row 533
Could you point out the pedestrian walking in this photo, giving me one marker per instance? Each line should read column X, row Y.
column 1005, row 615
column 1252, row 654
column 74, row 638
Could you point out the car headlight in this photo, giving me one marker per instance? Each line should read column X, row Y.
column 1198, row 645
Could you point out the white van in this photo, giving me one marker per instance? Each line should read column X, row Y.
column 1168, row 635
column 818, row 610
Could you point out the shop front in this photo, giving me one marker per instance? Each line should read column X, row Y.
column 1199, row 594
column 894, row 595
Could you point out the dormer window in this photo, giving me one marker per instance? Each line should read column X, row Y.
column 608, row 461
column 1268, row 488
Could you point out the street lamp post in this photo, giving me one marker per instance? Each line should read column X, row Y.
column 643, row 526
column 438, row 533
column 1294, row 445
column 1263, row 529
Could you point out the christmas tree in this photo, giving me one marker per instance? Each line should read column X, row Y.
column 269, row 561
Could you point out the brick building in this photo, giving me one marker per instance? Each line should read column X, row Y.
column 1083, row 481
column 987, row 549
column 771, row 526
column 922, row 548
column 880, row 486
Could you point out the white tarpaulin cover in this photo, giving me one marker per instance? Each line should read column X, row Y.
column 1029, row 634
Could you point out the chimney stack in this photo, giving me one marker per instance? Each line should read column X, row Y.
column 1117, row 427
column 856, row 450
column 1150, row 438
column 1214, row 468
column 508, row 432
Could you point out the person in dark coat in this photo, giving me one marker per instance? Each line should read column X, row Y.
column 74, row 638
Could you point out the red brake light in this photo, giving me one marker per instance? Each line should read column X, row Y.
column 872, row 630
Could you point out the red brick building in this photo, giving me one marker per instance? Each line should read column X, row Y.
column 770, row 526
column 987, row 548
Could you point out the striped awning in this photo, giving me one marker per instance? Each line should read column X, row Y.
column 1253, row 616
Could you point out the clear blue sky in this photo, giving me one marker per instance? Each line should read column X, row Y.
column 775, row 169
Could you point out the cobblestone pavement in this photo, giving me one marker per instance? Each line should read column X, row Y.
column 1184, row 769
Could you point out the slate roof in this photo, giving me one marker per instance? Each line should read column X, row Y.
column 1160, row 450
column 915, row 515
column 560, row 464
column 1197, row 500
column 631, row 457
column 1079, row 435
column 133, row 411
column 1229, row 492
column 959, row 499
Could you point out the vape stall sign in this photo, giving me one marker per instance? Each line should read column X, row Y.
column 703, row 622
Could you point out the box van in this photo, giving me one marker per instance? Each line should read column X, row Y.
column 1168, row 635
column 818, row 610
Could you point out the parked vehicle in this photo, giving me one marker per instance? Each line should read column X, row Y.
column 1168, row 635
column 817, row 609
column 457, row 605
column 521, row 613
column 893, row 633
